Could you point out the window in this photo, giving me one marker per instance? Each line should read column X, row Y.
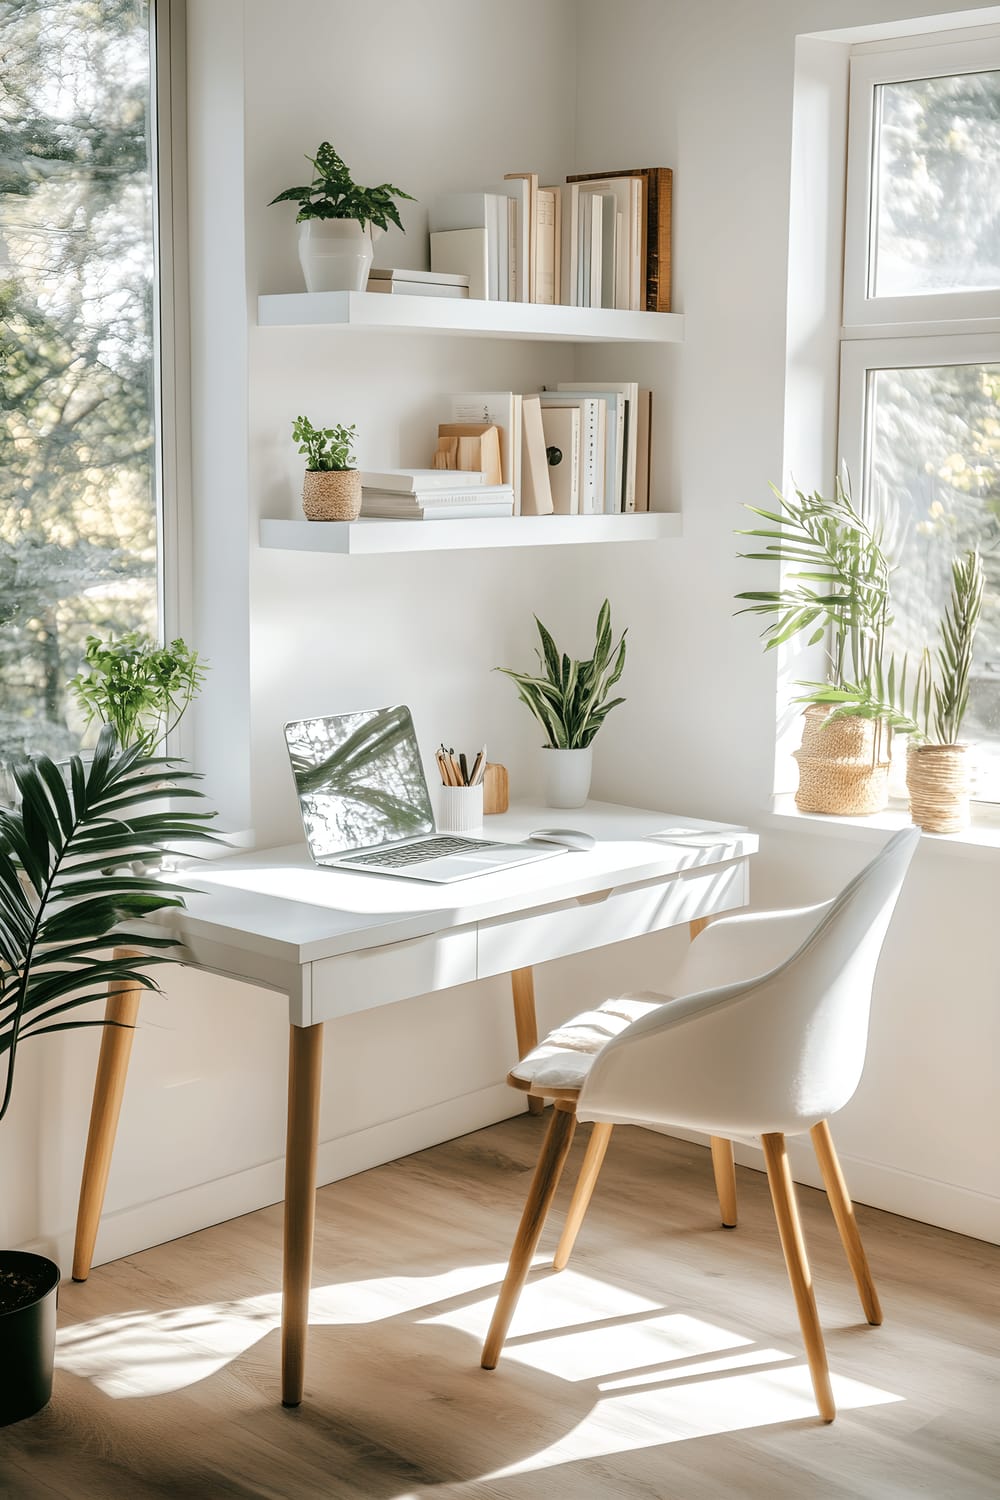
column 920, row 363
column 79, row 512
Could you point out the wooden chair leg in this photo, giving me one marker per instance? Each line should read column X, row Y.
column 305, row 1071
column 786, row 1212
column 593, row 1160
column 522, row 983
column 724, row 1167
column 122, row 1010
column 555, row 1148
column 843, row 1213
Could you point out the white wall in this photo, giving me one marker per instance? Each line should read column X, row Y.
column 445, row 94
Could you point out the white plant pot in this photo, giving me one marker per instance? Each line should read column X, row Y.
column 566, row 776
column 336, row 255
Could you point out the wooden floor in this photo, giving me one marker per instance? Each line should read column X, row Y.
column 665, row 1363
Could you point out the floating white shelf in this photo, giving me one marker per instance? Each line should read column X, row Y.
column 501, row 320
column 355, row 538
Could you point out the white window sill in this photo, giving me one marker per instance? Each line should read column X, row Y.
column 980, row 840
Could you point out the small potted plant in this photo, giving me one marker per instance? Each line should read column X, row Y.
column 72, row 918
column 835, row 588
column 338, row 220
column 332, row 487
column 140, row 688
column 570, row 701
column 937, row 773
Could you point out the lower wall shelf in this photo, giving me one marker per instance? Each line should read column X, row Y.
column 370, row 536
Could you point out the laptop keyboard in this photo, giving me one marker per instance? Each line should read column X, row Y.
column 416, row 854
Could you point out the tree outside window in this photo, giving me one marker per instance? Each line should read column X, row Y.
column 78, row 505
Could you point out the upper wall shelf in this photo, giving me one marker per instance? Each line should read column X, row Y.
column 500, row 320
column 354, row 538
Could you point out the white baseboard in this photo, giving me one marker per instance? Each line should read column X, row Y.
column 926, row 1199
column 143, row 1225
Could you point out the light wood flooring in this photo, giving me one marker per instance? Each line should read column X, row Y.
column 665, row 1363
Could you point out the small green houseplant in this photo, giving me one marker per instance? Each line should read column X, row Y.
column 332, row 487
column 834, row 588
column 338, row 220
column 570, row 701
column 140, row 688
column 937, row 773
column 72, row 922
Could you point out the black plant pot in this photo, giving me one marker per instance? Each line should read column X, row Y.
column 29, row 1286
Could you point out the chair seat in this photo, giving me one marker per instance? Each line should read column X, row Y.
column 564, row 1058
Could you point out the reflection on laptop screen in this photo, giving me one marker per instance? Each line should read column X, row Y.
column 359, row 780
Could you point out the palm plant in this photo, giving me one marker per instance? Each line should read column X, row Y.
column 70, row 902
column 570, row 700
column 949, row 683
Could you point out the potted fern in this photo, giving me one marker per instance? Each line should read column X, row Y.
column 570, row 701
column 331, row 490
column 835, row 588
column 937, row 773
column 338, row 221
column 72, row 922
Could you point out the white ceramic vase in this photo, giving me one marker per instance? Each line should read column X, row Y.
column 335, row 254
column 566, row 776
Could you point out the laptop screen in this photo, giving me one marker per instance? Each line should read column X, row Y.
column 359, row 780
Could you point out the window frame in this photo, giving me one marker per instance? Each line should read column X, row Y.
column 868, row 69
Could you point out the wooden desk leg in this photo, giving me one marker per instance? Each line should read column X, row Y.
column 305, row 1071
column 723, row 1162
column 522, row 982
column 122, row 1008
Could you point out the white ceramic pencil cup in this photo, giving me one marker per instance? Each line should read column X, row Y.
column 460, row 809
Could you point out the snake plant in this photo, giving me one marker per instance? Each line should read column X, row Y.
column 571, row 700
column 69, row 898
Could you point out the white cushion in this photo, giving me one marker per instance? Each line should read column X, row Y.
column 564, row 1058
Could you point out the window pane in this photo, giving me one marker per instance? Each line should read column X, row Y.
column 78, row 515
column 934, row 446
column 937, row 186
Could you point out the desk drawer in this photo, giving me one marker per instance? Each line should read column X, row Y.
column 378, row 976
column 627, row 912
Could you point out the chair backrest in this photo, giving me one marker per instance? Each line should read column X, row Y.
column 776, row 1051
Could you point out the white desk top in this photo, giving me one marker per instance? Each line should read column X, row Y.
column 278, row 904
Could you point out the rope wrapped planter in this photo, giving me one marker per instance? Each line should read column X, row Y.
column 937, row 778
column 332, row 494
column 840, row 766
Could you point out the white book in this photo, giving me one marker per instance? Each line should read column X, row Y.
column 596, row 251
column 491, row 494
column 406, row 273
column 375, row 511
column 613, row 404
column 465, row 252
column 569, row 268
column 518, row 191
column 420, row 289
column 406, row 481
column 503, row 410
column 545, row 247
column 593, row 445
column 627, row 192
column 455, row 211
column 536, row 492
column 627, row 430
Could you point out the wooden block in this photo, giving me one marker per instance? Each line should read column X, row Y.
column 496, row 789
column 482, row 454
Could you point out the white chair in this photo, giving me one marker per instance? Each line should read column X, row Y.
column 766, row 1039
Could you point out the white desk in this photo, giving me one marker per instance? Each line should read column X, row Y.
column 336, row 943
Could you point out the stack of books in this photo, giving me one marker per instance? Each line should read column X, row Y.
column 432, row 495
column 404, row 282
column 597, row 240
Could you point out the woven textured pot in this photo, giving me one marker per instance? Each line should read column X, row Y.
column 937, row 777
column 838, row 769
column 332, row 495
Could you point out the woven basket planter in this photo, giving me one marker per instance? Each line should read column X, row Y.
column 937, row 777
column 332, row 495
column 838, row 769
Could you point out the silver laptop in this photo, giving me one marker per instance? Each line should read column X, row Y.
column 365, row 806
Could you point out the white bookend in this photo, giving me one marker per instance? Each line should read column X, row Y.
column 503, row 410
column 464, row 252
column 561, row 425
column 536, row 494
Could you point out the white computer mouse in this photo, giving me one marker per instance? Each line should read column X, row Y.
column 569, row 838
